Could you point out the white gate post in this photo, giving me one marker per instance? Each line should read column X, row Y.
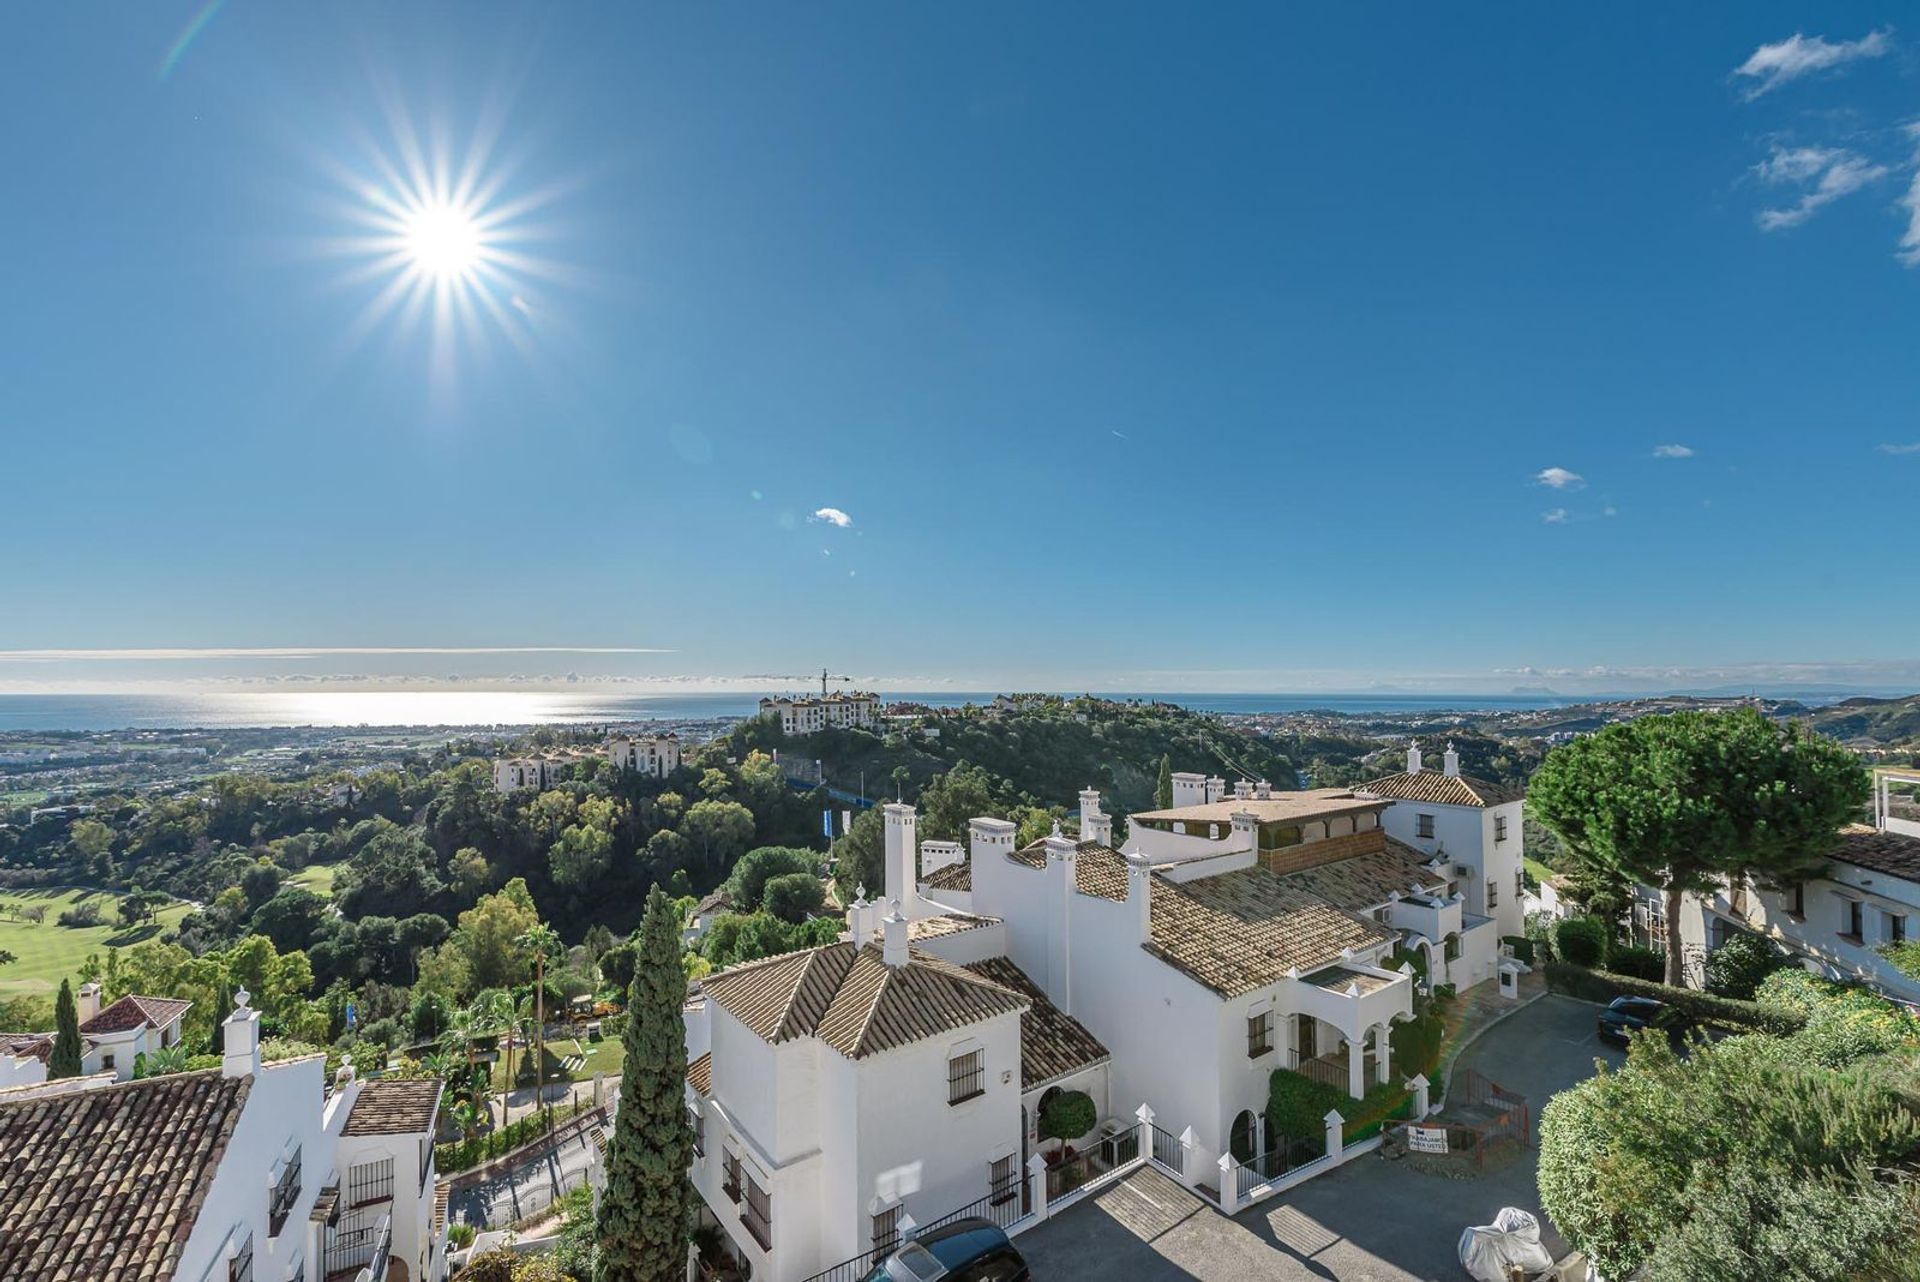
column 1229, row 1184
column 1419, row 1085
column 1037, row 1186
column 1145, row 1116
column 1336, row 1133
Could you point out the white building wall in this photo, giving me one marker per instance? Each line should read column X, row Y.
column 1464, row 834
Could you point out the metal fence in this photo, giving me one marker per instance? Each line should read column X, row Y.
column 1168, row 1151
column 1267, row 1167
column 1003, row 1208
column 1324, row 1069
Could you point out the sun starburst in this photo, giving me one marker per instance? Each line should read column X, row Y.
column 446, row 248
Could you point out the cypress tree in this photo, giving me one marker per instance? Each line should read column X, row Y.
column 66, row 1038
column 222, row 1007
column 1163, row 794
column 645, row 1212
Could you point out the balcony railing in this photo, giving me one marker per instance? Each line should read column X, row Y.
column 1328, row 1070
column 359, row 1252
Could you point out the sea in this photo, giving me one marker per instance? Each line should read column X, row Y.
column 265, row 710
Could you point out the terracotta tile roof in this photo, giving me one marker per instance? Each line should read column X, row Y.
column 38, row 1045
column 1281, row 807
column 326, row 1200
column 442, row 1194
column 395, row 1106
column 853, row 1001
column 947, row 924
column 1366, row 880
column 134, row 1011
column 1893, row 853
column 1442, row 789
column 952, row 877
column 700, row 1075
column 1098, row 870
column 107, row 1183
column 1052, row 1042
column 1237, row 931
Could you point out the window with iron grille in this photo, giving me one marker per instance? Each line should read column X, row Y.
column 699, row 1130
column 1423, row 825
column 1896, row 928
column 285, row 1193
column 1003, row 1184
column 730, row 1174
column 240, row 1267
column 1854, row 925
column 886, row 1229
column 370, row 1182
column 1519, row 883
column 1493, row 894
column 966, row 1077
column 757, row 1214
column 1259, row 1034
column 1451, row 951
column 1499, row 827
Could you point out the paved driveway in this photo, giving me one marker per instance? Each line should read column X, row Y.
column 1369, row 1221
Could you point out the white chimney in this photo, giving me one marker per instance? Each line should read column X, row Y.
column 1413, row 758
column 1063, row 873
column 1243, row 790
column 1246, row 831
column 988, row 837
column 893, row 948
column 1094, row 826
column 902, row 889
column 1216, row 789
column 87, row 1001
column 1450, row 761
column 1140, row 894
column 241, row 1037
column 1262, row 790
column 857, row 918
column 1189, row 788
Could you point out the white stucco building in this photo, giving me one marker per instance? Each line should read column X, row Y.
column 510, row 774
column 113, row 1040
column 249, row 1171
column 805, row 714
column 655, row 756
column 902, row 1071
column 1835, row 923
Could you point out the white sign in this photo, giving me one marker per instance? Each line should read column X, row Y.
column 1426, row 1139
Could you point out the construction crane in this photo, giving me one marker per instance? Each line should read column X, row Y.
column 825, row 676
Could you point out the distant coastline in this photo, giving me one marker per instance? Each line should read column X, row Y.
column 54, row 713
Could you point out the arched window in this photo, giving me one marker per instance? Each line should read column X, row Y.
column 1241, row 1140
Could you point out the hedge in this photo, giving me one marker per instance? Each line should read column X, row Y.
column 1522, row 948
column 460, row 1155
column 1603, row 986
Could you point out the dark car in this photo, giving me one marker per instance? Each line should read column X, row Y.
column 1625, row 1016
column 969, row 1250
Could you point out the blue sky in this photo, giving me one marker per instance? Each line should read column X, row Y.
column 1269, row 348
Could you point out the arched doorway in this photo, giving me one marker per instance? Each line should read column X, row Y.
column 1241, row 1139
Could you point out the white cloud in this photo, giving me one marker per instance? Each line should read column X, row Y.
column 1909, row 250
column 1771, row 66
column 1913, row 448
column 1555, row 516
column 1833, row 173
column 832, row 516
column 1560, row 478
column 1673, row 451
column 1609, row 510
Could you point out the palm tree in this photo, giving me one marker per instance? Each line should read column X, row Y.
column 491, row 1012
column 542, row 941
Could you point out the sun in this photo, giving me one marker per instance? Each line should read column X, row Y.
column 444, row 243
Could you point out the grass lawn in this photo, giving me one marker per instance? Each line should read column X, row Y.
column 48, row 953
column 1538, row 871
column 604, row 1056
column 316, row 877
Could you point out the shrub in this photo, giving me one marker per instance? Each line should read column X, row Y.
column 1844, row 1022
column 1904, row 955
column 86, row 914
column 1067, row 1116
column 1604, row 986
column 1581, row 940
column 792, row 896
column 1415, row 1044
column 756, row 870
column 1641, row 963
column 1737, row 967
column 1297, row 1105
column 1628, row 1157
column 1522, row 948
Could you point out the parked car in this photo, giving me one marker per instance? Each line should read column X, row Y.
column 1625, row 1016
column 969, row 1250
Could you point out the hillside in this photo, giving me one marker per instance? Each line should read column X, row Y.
column 1042, row 755
column 1874, row 723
